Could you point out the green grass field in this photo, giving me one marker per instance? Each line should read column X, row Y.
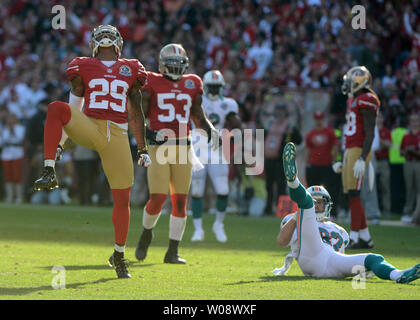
column 34, row 239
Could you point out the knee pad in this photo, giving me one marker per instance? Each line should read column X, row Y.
column 155, row 203
column 179, row 205
column 198, row 184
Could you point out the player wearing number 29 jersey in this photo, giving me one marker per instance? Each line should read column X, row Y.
column 170, row 100
column 107, row 89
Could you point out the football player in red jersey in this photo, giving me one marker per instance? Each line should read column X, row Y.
column 170, row 99
column 359, row 130
column 105, row 92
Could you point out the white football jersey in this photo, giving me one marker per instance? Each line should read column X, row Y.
column 331, row 233
column 217, row 110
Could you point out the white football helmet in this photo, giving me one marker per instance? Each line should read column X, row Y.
column 356, row 78
column 214, row 83
column 105, row 36
column 319, row 193
column 173, row 61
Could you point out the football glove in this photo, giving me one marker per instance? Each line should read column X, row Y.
column 213, row 138
column 59, row 153
column 337, row 167
column 359, row 168
column 143, row 158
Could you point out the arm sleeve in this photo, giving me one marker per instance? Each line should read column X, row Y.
column 75, row 101
column 368, row 101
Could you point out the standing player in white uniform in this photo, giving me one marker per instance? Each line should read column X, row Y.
column 220, row 111
column 316, row 257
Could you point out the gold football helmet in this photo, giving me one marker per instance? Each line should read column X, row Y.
column 355, row 79
column 173, row 61
column 105, row 36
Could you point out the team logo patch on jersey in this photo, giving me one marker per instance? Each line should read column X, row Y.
column 109, row 70
column 125, row 70
column 189, row 84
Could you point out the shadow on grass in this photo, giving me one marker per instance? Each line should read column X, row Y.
column 99, row 266
column 29, row 290
column 295, row 278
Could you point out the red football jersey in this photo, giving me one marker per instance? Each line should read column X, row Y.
column 320, row 144
column 171, row 101
column 354, row 133
column 106, row 88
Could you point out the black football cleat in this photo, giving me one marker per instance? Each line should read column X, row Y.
column 173, row 258
column 120, row 266
column 361, row 244
column 47, row 181
column 146, row 238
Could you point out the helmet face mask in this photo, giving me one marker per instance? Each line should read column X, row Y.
column 322, row 202
column 106, row 36
column 214, row 84
column 173, row 61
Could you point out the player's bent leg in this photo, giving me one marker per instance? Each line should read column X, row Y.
column 177, row 224
column 58, row 115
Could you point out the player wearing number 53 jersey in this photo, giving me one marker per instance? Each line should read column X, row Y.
column 359, row 130
column 104, row 92
column 170, row 99
column 318, row 250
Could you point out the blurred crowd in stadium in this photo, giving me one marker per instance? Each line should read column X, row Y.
column 262, row 47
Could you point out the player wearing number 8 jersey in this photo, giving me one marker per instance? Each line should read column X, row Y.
column 170, row 99
column 359, row 130
column 104, row 92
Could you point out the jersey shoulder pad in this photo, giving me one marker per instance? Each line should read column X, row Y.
column 368, row 100
column 232, row 105
column 138, row 70
column 75, row 66
column 197, row 82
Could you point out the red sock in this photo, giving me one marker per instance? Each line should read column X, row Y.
column 357, row 213
column 179, row 205
column 58, row 115
column 121, row 214
column 155, row 203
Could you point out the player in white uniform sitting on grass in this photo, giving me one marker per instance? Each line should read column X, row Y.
column 318, row 256
column 220, row 111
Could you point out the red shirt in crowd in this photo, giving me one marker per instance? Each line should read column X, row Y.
column 411, row 140
column 320, row 144
column 384, row 135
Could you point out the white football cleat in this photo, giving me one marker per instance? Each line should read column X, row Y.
column 219, row 231
column 198, row 236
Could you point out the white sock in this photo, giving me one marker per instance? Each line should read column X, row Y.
column 176, row 227
column 149, row 221
column 119, row 248
column 49, row 163
column 354, row 235
column 395, row 274
column 364, row 234
column 293, row 184
column 220, row 216
column 198, row 224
